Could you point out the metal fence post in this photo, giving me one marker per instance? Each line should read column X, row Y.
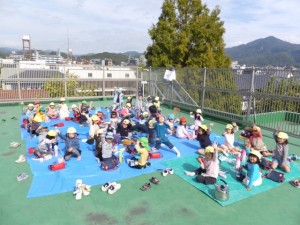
column 19, row 85
column 150, row 82
column 250, row 99
column 203, row 90
column 65, row 82
column 103, row 83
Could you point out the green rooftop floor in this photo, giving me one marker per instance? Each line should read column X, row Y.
column 174, row 201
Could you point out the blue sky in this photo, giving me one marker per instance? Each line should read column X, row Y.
column 118, row 26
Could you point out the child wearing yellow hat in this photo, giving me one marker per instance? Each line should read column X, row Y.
column 279, row 158
column 47, row 146
column 209, row 166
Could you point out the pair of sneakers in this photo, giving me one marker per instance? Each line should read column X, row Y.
column 111, row 187
column 167, row 171
column 147, row 186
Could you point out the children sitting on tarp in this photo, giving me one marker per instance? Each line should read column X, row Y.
column 208, row 171
column 77, row 117
column 203, row 138
column 52, row 113
column 227, row 146
column 72, row 144
column 181, row 131
column 109, row 160
column 85, row 108
column 256, row 141
column 281, row 151
column 142, row 147
column 124, row 128
column 47, row 146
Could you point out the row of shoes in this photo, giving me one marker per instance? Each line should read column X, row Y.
column 111, row 188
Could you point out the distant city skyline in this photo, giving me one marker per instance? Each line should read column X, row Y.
column 95, row 26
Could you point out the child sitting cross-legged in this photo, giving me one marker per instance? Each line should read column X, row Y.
column 142, row 147
column 47, row 146
column 72, row 144
column 209, row 166
column 254, row 176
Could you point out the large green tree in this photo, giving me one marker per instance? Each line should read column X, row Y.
column 187, row 34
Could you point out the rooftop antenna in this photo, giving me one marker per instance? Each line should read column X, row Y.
column 69, row 51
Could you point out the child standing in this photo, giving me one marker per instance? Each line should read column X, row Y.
column 181, row 131
column 281, row 151
column 228, row 146
column 139, row 106
column 203, row 138
column 161, row 129
column 209, row 166
column 72, row 144
column 254, row 177
column 118, row 99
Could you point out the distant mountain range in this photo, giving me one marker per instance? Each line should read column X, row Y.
column 261, row 52
column 266, row 51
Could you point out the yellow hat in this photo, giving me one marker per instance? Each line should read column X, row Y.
column 52, row 103
column 62, row 99
column 203, row 127
column 95, row 118
column 37, row 119
column 100, row 131
column 128, row 105
column 229, row 126
column 51, row 133
column 256, row 153
column 129, row 97
column 145, row 114
column 30, row 105
column 126, row 121
column 71, row 130
column 209, row 149
column 199, row 111
column 282, row 135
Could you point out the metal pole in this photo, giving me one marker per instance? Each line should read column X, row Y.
column 251, row 92
column 203, row 90
column 19, row 85
column 150, row 82
column 65, row 84
column 171, row 92
column 103, row 83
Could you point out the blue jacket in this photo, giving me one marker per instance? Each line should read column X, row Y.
column 253, row 173
column 70, row 142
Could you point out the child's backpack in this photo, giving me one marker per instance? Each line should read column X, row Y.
column 275, row 176
column 109, row 163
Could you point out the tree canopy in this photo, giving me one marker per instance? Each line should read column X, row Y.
column 187, row 34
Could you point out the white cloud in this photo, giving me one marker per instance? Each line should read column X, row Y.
column 117, row 26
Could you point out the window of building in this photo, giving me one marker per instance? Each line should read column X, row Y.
column 109, row 75
column 126, row 74
column 90, row 75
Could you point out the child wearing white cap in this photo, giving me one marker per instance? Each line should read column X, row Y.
column 63, row 109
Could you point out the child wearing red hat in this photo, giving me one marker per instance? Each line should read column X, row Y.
column 181, row 131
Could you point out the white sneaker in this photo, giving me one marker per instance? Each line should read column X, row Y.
column 188, row 173
column 114, row 188
column 107, row 185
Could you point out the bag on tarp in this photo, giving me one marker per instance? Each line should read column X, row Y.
column 275, row 176
column 57, row 166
